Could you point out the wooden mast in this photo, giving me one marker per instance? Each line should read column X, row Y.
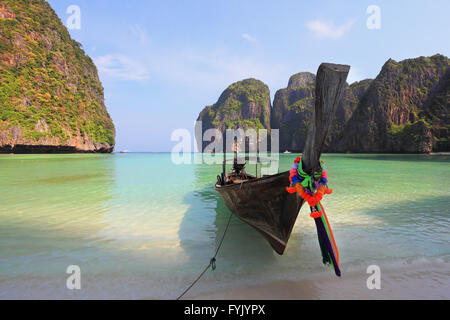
column 330, row 83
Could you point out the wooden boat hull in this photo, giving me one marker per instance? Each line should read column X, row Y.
column 265, row 205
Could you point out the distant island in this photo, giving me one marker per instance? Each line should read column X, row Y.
column 405, row 109
column 51, row 99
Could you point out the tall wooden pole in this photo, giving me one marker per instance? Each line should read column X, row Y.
column 330, row 84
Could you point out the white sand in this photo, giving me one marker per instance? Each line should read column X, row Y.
column 423, row 281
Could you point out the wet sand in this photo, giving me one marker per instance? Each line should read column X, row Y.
column 424, row 280
column 419, row 282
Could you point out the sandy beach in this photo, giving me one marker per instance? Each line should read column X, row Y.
column 424, row 280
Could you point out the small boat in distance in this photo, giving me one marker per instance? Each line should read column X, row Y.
column 124, row 151
column 263, row 202
column 287, row 152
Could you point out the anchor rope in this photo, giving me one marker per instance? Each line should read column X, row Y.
column 212, row 262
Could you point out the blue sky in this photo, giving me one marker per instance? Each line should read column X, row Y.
column 161, row 62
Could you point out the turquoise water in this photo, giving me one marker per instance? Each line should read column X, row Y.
column 141, row 227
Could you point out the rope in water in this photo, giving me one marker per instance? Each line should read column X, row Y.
column 212, row 262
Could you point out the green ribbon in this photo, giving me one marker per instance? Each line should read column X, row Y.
column 307, row 179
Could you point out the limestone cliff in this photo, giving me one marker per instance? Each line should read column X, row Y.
column 243, row 105
column 51, row 99
column 404, row 110
column 293, row 107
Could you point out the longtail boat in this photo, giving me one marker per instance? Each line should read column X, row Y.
column 263, row 202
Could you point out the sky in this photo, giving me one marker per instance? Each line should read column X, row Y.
column 161, row 62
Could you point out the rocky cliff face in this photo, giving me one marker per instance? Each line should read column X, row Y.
column 292, row 110
column 404, row 110
column 294, row 105
column 243, row 105
column 51, row 99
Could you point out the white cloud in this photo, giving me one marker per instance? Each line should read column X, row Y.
column 193, row 67
column 121, row 67
column 248, row 37
column 327, row 29
column 212, row 69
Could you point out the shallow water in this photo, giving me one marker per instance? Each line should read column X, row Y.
column 141, row 227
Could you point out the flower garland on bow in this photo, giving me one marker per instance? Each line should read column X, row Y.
column 311, row 188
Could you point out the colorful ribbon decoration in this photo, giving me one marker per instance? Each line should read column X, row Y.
column 312, row 188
